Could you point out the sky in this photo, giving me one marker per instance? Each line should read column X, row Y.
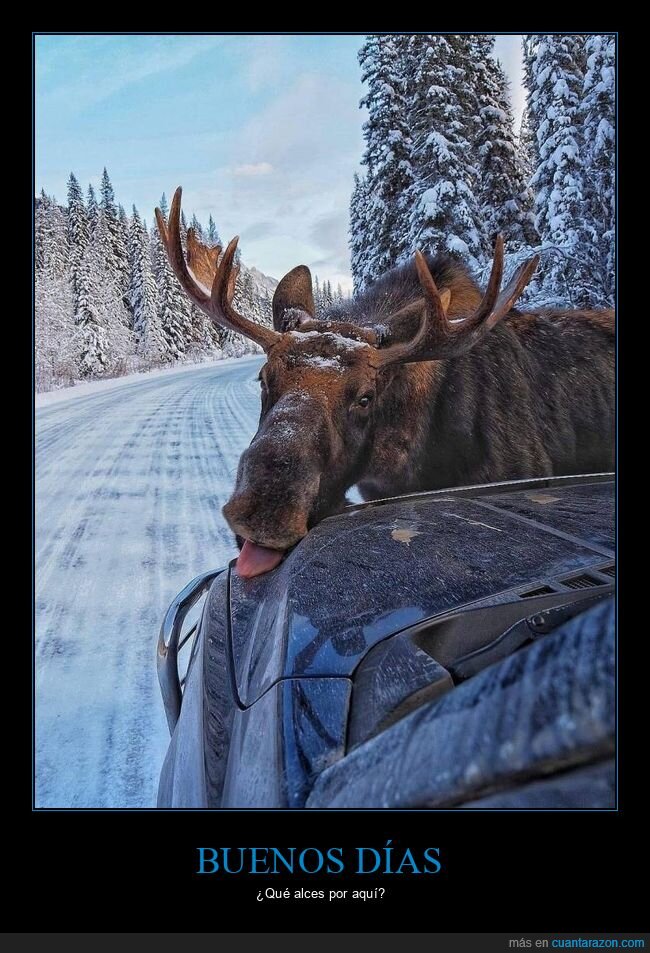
column 264, row 132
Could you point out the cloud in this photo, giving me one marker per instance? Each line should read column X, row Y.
column 258, row 230
column 330, row 231
column 332, row 270
column 309, row 133
column 267, row 59
column 253, row 168
column 312, row 124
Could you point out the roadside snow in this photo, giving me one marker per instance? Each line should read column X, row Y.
column 130, row 482
column 94, row 387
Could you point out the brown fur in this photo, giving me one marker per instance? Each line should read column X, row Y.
column 465, row 296
column 533, row 398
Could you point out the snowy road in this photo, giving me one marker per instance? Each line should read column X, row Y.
column 129, row 488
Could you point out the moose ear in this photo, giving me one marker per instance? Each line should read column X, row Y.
column 293, row 293
column 445, row 299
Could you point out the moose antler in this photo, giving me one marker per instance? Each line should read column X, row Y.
column 201, row 260
column 216, row 303
column 437, row 337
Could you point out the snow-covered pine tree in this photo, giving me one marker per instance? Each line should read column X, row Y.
column 196, row 315
column 212, row 235
column 214, row 335
column 317, row 295
column 93, row 345
column 109, row 294
column 124, row 231
column 150, row 340
column 553, row 66
column 527, row 147
column 494, row 168
column 505, row 199
column 267, row 307
column 55, row 348
column 78, row 237
column 323, row 300
column 183, row 231
column 78, row 242
column 113, row 236
column 174, row 313
column 474, row 85
column 92, row 211
column 56, row 357
column 82, row 319
column 361, row 234
column 529, row 43
column 387, row 155
column 581, row 51
column 40, row 231
column 123, row 287
column 245, row 291
column 247, row 301
column 50, row 238
column 444, row 210
column 198, row 228
column 597, row 111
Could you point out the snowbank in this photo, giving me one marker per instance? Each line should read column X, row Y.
column 93, row 387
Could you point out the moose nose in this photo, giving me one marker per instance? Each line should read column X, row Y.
column 261, row 522
column 278, row 478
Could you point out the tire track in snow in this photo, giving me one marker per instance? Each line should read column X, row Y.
column 129, row 488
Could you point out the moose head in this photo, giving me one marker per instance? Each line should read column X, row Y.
column 321, row 386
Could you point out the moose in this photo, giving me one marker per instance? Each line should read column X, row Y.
column 419, row 383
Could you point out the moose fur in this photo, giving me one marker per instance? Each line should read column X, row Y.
column 534, row 398
column 422, row 382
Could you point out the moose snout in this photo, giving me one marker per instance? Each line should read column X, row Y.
column 265, row 523
column 279, row 476
column 274, row 494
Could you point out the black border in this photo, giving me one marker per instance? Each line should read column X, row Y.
column 114, row 869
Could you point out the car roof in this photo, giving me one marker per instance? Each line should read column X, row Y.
column 379, row 567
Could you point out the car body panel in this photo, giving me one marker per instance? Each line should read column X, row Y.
column 423, row 651
column 182, row 780
column 584, row 788
column 583, row 511
column 386, row 568
column 539, row 711
column 266, row 770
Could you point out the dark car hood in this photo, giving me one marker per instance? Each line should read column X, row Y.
column 366, row 574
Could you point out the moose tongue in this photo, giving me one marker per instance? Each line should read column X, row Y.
column 254, row 560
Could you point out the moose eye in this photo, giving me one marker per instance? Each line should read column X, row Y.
column 365, row 400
